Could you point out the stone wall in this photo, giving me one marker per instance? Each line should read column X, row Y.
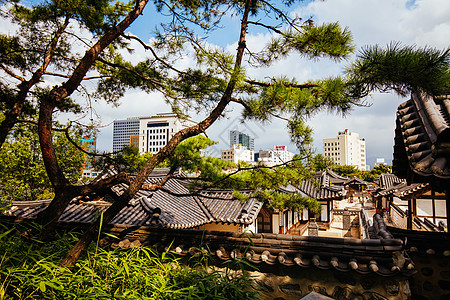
column 432, row 280
column 338, row 213
column 332, row 283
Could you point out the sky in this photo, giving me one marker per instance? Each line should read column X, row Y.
column 421, row 23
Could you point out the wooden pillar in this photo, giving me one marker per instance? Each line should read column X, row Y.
column 410, row 214
column 447, row 206
column 328, row 211
column 433, row 196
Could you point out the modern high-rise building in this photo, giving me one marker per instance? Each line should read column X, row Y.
column 346, row 149
column 123, row 130
column 240, row 138
column 148, row 134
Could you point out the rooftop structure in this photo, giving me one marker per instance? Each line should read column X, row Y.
column 422, row 152
column 346, row 149
column 422, row 140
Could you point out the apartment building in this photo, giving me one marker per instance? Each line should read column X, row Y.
column 346, row 149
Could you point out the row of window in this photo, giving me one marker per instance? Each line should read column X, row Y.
column 332, row 144
column 156, row 143
column 163, row 130
column 156, row 137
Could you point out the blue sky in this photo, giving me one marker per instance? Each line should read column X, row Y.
column 420, row 23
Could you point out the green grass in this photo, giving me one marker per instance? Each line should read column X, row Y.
column 29, row 270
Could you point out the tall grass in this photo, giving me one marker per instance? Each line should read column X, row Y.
column 28, row 271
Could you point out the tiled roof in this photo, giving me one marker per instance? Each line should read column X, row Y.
column 388, row 185
column 389, row 180
column 328, row 177
column 390, row 190
column 310, row 189
column 224, row 207
column 422, row 137
column 355, row 180
column 365, row 256
column 424, row 241
column 186, row 211
column 407, row 190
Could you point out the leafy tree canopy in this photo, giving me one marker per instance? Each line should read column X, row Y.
column 48, row 48
column 244, row 180
column 320, row 162
column 381, row 169
column 346, row 170
column 22, row 171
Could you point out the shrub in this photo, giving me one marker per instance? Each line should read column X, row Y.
column 29, row 269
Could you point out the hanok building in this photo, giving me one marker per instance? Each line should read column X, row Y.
column 211, row 209
column 422, row 154
column 289, row 266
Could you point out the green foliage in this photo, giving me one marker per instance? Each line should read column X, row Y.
column 188, row 156
column 403, row 69
column 326, row 40
column 129, row 159
column 346, row 170
column 292, row 201
column 22, row 172
column 298, row 102
column 381, row 169
column 352, row 171
column 95, row 15
column 137, row 273
column 320, row 163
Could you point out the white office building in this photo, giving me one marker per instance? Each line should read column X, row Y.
column 152, row 134
column 346, row 149
column 276, row 156
column 238, row 153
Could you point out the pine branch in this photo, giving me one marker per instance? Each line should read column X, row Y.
column 147, row 47
column 266, row 26
column 85, row 78
column 11, row 73
column 154, row 82
column 265, row 84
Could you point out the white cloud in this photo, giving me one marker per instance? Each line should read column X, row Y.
column 420, row 22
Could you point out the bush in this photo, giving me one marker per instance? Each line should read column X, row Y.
column 31, row 271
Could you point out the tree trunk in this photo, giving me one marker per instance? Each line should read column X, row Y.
column 64, row 192
column 116, row 207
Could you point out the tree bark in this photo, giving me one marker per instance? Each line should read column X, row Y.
column 168, row 150
column 64, row 191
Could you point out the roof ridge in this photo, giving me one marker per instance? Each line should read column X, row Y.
column 204, row 208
